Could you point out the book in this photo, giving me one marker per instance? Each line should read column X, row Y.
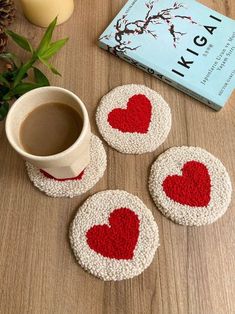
column 183, row 43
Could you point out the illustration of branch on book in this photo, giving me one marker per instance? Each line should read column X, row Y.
column 124, row 28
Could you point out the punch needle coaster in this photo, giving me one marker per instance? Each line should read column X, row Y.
column 76, row 186
column 190, row 186
column 114, row 235
column 133, row 119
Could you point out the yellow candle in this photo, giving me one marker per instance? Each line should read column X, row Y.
column 42, row 12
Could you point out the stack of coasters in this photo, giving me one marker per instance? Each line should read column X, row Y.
column 133, row 119
column 76, row 186
column 114, row 235
column 190, row 186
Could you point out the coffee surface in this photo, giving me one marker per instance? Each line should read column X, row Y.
column 50, row 129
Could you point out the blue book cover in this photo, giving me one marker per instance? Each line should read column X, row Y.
column 183, row 43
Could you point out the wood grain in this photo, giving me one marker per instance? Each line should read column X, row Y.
column 194, row 269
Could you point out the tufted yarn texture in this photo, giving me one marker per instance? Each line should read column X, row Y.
column 190, row 186
column 114, row 235
column 133, row 119
column 78, row 185
column 47, row 175
column 110, row 240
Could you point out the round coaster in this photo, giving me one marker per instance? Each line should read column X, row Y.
column 114, row 235
column 78, row 185
column 133, row 119
column 190, row 186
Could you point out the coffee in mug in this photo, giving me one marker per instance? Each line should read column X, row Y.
column 50, row 129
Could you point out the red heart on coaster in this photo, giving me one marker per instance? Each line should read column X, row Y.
column 136, row 118
column 118, row 239
column 49, row 176
column 192, row 188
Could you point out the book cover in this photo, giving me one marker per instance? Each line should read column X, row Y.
column 183, row 43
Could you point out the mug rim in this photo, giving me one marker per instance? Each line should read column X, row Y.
column 49, row 157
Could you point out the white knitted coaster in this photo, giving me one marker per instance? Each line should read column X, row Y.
column 114, row 235
column 190, row 186
column 133, row 119
column 72, row 187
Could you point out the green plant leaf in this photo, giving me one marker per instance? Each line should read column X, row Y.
column 4, row 108
column 22, row 71
column 20, row 89
column 49, row 66
column 23, row 88
column 11, row 58
column 40, row 78
column 8, row 96
column 3, row 80
column 3, row 91
column 20, row 40
column 46, row 39
column 12, row 83
column 11, row 75
column 53, row 49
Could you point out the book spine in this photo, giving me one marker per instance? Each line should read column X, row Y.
column 162, row 77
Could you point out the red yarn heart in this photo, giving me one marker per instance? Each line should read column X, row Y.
column 118, row 239
column 49, row 176
column 192, row 188
column 136, row 118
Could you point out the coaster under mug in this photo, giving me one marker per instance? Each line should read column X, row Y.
column 72, row 187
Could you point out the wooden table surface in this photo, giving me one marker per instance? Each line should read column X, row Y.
column 194, row 268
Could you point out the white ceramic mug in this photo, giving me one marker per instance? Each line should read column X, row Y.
column 67, row 164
